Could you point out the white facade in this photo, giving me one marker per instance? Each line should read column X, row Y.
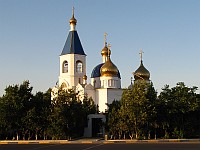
column 102, row 89
column 107, row 96
column 74, row 73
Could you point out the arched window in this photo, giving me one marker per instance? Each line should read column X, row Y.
column 65, row 67
column 79, row 66
column 63, row 85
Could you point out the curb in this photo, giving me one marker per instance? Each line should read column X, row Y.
column 154, row 141
column 101, row 141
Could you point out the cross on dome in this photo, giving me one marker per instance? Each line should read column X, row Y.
column 105, row 39
column 73, row 11
column 141, row 52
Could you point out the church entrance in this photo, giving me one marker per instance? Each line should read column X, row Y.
column 97, row 127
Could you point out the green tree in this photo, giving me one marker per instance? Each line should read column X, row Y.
column 152, row 103
column 69, row 115
column 36, row 119
column 14, row 105
column 135, row 114
column 115, row 121
column 134, row 104
column 178, row 102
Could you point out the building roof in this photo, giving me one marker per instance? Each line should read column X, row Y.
column 73, row 44
column 96, row 72
column 141, row 73
column 109, row 69
column 105, row 51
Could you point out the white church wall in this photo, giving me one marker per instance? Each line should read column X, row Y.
column 110, row 82
column 67, row 76
column 101, row 99
column 90, row 92
column 96, row 82
column 72, row 77
column 114, row 94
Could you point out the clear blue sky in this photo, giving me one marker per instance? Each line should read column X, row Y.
column 33, row 33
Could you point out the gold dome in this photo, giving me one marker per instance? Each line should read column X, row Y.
column 73, row 20
column 109, row 69
column 141, row 73
column 105, row 51
column 84, row 77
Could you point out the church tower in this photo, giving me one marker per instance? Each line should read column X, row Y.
column 72, row 59
column 106, row 80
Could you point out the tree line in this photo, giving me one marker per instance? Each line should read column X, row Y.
column 28, row 116
column 141, row 114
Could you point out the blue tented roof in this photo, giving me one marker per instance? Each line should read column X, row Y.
column 73, row 44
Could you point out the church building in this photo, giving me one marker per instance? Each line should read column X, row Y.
column 105, row 86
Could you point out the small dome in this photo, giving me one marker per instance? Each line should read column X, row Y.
column 84, row 77
column 73, row 20
column 105, row 50
column 141, row 73
column 109, row 69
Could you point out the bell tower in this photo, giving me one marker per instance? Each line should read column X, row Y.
column 72, row 59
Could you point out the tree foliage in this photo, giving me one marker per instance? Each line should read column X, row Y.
column 179, row 103
column 140, row 114
column 175, row 113
column 26, row 116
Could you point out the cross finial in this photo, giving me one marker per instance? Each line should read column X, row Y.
column 105, row 39
column 141, row 52
column 73, row 11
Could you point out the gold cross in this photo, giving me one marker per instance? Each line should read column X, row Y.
column 141, row 52
column 73, row 10
column 105, row 39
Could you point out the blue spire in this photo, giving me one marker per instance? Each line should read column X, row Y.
column 73, row 44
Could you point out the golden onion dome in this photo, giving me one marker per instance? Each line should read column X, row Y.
column 105, row 51
column 73, row 20
column 109, row 69
column 84, row 77
column 141, row 73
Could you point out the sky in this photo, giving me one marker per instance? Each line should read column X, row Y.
column 33, row 34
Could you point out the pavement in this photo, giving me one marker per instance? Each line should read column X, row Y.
column 97, row 141
column 102, row 146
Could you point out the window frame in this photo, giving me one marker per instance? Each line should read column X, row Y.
column 79, row 66
column 65, row 66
